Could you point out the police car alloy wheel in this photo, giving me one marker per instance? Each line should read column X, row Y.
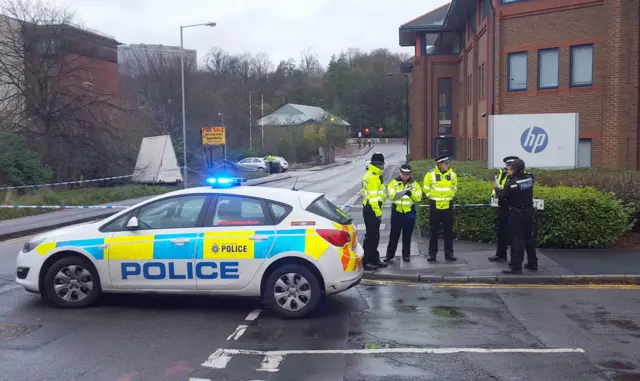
column 71, row 282
column 293, row 291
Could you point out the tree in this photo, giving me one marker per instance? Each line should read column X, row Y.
column 51, row 90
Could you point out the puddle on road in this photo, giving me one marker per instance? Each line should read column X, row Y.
column 587, row 321
column 400, row 306
column 617, row 365
column 449, row 312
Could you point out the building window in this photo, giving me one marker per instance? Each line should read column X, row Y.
column 482, row 82
column 517, row 71
column 548, row 68
column 445, row 96
column 581, row 65
column 484, row 9
column 469, row 88
column 445, row 146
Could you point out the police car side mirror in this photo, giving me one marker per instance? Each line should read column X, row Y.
column 132, row 224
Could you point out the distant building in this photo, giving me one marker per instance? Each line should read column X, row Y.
column 293, row 114
column 132, row 54
column 491, row 57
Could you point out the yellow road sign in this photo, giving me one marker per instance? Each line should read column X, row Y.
column 213, row 136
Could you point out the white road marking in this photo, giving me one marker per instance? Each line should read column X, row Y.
column 353, row 199
column 270, row 363
column 9, row 287
column 272, row 359
column 218, row 360
column 253, row 315
column 399, row 350
column 238, row 332
column 363, row 227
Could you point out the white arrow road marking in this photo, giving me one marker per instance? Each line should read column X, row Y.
column 253, row 315
column 270, row 363
column 218, row 359
column 238, row 332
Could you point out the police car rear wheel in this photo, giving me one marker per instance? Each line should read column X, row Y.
column 71, row 282
column 293, row 291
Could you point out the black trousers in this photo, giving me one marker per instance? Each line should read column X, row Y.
column 442, row 217
column 503, row 233
column 400, row 224
column 521, row 225
column 371, row 236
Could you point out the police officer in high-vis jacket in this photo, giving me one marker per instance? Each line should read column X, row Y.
column 502, row 214
column 373, row 199
column 403, row 192
column 440, row 186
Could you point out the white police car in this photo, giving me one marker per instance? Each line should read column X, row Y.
column 290, row 247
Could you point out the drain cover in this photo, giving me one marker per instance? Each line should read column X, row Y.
column 9, row 331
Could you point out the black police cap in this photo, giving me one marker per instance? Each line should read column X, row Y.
column 377, row 158
column 510, row 159
column 442, row 158
column 405, row 168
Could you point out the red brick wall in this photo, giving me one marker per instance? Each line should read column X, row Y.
column 609, row 110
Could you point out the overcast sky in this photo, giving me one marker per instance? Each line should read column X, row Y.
column 280, row 28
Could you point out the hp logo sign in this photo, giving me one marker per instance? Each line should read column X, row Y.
column 534, row 139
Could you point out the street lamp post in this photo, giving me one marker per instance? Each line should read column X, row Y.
column 224, row 148
column 184, row 114
column 406, row 101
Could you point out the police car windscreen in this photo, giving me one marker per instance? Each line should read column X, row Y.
column 327, row 209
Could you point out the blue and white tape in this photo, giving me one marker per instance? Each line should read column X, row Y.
column 84, row 181
column 62, row 207
column 419, row 206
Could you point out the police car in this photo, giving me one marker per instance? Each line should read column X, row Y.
column 291, row 248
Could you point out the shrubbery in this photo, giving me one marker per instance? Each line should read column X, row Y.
column 573, row 217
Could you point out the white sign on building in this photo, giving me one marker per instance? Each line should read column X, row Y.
column 541, row 140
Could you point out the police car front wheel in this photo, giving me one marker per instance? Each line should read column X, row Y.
column 293, row 291
column 71, row 282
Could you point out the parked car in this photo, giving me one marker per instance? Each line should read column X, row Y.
column 253, row 164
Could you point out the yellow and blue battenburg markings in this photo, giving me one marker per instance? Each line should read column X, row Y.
column 208, row 247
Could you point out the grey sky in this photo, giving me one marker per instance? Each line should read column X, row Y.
column 280, row 28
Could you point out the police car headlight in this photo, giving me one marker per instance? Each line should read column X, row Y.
column 31, row 244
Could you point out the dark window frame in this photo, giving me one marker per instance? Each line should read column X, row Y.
column 593, row 54
column 526, row 83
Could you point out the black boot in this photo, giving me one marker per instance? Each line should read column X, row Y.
column 431, row 257
column 497, row 258
column 531, row 267
column 406, row 259
column 513, row 271
column 450, row 257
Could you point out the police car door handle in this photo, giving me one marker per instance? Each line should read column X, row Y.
column 258, row 237
column 180, row 241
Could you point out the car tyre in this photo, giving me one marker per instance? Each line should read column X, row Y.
column 302, row 301
column 82, row 287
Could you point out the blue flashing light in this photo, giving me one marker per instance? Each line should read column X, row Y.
column 220, row 182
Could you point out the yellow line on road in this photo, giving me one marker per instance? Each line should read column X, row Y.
column 507, row 286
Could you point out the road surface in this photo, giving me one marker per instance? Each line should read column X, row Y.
column 377, row 331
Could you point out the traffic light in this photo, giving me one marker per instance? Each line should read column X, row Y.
column 366, row 131
column 380, row 130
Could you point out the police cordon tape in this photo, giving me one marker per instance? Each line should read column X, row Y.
column 87, row 181
column 63, row 206
column 538, row 203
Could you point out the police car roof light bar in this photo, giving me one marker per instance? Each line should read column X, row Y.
column 222, row 182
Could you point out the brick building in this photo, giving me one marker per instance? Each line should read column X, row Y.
column 526, row 56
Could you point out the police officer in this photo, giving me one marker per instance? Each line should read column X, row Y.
column 502, row 214
column 440, row 186
column 403, row 212
column 373, row 199
column 271, row 162
column 518, row 194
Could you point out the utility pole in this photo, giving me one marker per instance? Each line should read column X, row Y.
column 250, row 123
column 262, row 121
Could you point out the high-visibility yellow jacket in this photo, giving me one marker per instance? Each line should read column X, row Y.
column 270, row 159
column 502, row 179
column 373, row 190
column 440, row 187
column 404, row 204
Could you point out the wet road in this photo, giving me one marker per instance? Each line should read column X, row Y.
column 376, row 331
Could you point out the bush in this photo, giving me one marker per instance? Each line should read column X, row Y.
column 572, row 218
column 19, row 165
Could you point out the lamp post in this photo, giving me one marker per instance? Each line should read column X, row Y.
column 184, row 115
column 221, row 115
column 406, row 101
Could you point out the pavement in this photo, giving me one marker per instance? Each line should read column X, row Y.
column 380, row 330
